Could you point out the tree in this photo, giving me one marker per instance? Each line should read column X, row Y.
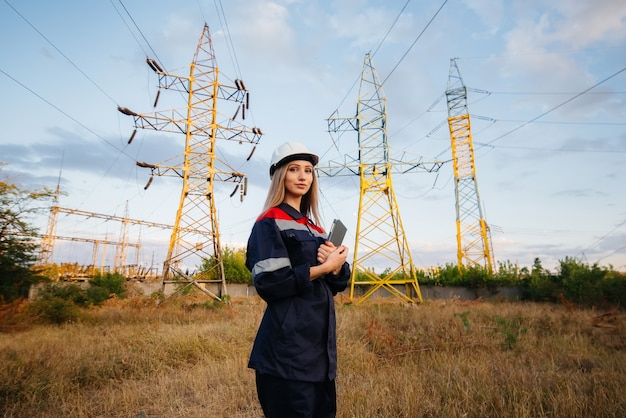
column 17, row 238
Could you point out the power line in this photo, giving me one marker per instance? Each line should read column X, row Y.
column 402, row 58
column 128, row 27
column 549, row 122
column 122, row 151
column 142, row 35
column 541, row 93
column 597, row 151
column 59, row 51
column 432, row 19
column 376, row 50
column 390, row 28
column 557, row 106
column 604, row 236
column 229, row 39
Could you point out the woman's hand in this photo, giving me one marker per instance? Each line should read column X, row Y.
column 324, row 250
column 332, row 257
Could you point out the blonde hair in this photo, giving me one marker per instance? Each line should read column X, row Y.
column 276, row 195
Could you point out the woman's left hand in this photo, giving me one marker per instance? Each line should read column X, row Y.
column 324, row 250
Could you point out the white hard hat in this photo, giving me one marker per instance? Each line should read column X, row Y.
column 291, row 151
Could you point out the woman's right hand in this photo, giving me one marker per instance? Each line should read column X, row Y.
column 336, row 259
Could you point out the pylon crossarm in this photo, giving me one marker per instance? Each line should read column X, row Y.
column 403, row 167
column 342, row 124
column 338, row 168
column 175, row 171
column 173, row 82
column 231, row 133
column 158, row 121
column 232, row 94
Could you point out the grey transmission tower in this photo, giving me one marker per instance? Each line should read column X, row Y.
column 472, row 231
column 380, row 235
column 195, row 237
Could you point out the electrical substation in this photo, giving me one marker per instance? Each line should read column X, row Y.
column 214, row 114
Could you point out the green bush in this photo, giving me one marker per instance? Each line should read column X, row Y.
column 112, row 283
column 234, row 261
column 55, row 310
column 61, row 302
column 578, row 282
column 97, row 295
column 613, row 288
column 71, row 292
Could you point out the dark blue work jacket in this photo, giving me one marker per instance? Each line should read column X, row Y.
column 297, row 336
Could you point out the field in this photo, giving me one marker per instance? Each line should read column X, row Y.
column 188, row 358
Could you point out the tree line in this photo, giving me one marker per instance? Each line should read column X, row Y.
column 574, row 280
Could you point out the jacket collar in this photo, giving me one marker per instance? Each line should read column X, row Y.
column 290, row 210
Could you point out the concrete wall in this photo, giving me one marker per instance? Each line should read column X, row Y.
column 447, row 292
column 428, row 292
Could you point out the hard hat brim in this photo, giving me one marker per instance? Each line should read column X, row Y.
column 312, row 158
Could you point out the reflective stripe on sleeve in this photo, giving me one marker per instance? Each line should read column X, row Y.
column 270, row 264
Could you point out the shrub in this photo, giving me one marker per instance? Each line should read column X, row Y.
column 613, row 288
column 111, row 283
column 55, row 310
column 578, row 282
column 61, row 302
column 234, row 261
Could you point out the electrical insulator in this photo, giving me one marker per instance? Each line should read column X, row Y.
column 149, row 183
column 234, row 191
column 251, row 152
column 156, row 100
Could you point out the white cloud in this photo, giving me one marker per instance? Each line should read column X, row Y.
column 490, row 11
column 582, row 23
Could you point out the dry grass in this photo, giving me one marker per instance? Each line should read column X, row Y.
column 438, row 359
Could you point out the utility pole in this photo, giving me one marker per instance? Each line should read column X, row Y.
column 195, row 237
column 472, row 231
column 120, row 250
column 380, row 235
column 48, row 241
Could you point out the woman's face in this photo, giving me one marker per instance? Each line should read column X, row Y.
column 298, row 178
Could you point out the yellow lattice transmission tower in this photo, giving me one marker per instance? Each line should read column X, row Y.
column 472, row 232
column 380, row 235
column 195, row 237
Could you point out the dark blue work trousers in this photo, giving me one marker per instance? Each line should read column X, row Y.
column 283, row 398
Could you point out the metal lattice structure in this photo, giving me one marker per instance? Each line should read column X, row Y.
column 48, row 241
column 380, row 234
column 195, row 237
column 472, row 231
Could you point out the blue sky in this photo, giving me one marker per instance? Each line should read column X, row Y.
column 550, row 160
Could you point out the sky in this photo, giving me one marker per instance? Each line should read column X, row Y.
column 546, row 96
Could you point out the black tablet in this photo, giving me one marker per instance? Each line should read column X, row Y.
column 337, row 232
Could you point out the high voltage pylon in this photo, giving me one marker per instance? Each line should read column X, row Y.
column 472, row 231
column 195, row 237
column 380, row 234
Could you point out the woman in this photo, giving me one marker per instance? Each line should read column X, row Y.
column 297, row 272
